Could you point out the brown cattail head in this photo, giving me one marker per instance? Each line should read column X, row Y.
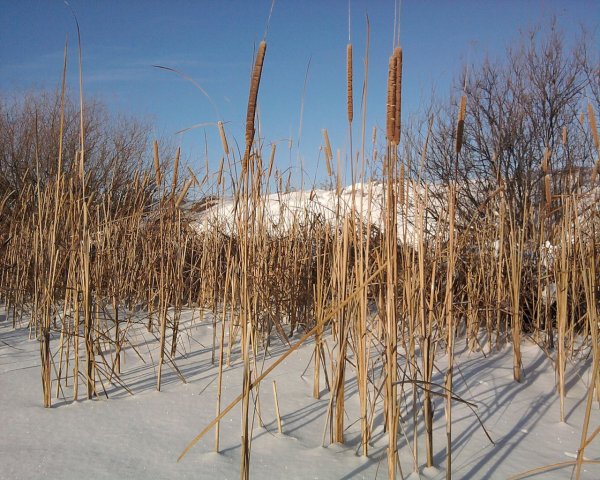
column 223, row 137
column 398, row 96
column 349, row 82
column 251, row 112
column 391, row 101
column 593, row 127
column 564, row 136
column 460, row 128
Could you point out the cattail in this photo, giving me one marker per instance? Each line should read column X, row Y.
column 374, row 137
column 461, row 123
column 391, row 101
column 183, row 193
column 398, row 95
column 175, row 170
column 564, row 136
column 548, row 190
column 157, row 164
column 593, row 127
column 328, row 165
column 256, row 74
column 79, row 160
column 349, row 82
column 328, row 153
column 223, row 137
column 582, row 119
column 272, row 159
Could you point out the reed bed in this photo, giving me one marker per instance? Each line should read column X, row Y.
column 377, row 287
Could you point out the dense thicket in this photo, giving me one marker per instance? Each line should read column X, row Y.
column 529, row 103
column 30, row 133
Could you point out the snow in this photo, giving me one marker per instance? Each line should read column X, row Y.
column 280, row 212
column 141, row 436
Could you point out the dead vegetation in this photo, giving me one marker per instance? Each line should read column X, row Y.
column 78, row 264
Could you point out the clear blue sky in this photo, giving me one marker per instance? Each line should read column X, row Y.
column 213, row 42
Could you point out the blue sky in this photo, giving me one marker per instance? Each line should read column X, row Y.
column 213, row 43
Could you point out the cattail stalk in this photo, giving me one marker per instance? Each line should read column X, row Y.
column 276, row 400
column 157, row 172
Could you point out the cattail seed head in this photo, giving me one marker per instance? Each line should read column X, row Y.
column 251, row 112
column 398, row 95
column 349, row 82
column 391, row 101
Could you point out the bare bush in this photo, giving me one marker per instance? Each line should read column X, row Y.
column 525, row 105
column 30, row 132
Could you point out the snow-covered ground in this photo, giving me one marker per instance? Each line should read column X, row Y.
column 280, row 212
column 141, row 435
